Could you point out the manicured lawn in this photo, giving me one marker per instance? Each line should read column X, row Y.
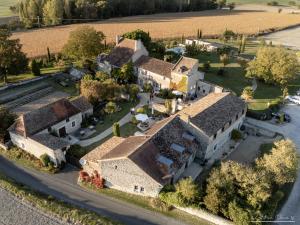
column 115, row 117
column 234, row 79
column 144, row 202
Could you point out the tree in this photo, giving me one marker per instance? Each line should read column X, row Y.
column 35, row 68
column 221, row 3
column 139, row 35
column 133, row 90
column 84, row 43
column 228, row 34
column 224, row 59
column 231, row 6
column 45, row 159
column 116, row 130
column 247, row 93
column 282, row 162
column 101, row 76
column 126, row 75
column 53, row 11
column 274, row 65
column 111, row 108
column 48, row 55
column 7, row 119
column 187, row 190
column 12, row 59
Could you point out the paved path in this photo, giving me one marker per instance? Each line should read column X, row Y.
column 144, row 97
column 63, row 186
column 13, row 210
column 291, row 131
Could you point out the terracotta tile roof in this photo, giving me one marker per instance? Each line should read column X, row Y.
column 184, row 65
column 103, row 149
column 153, row 65
column 122, row 53
column 31, row 123
column 126, row 147
column 145, row 150
column 50, row 141
column 82, row 103
column 213, row 112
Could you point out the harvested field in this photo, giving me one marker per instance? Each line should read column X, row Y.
column 169, row 25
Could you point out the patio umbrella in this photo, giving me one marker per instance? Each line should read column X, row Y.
column 142, row 117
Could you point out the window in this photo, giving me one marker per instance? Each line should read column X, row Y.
column 23, row 146
column 223, row 129
column 67, row 120
column 203, row 91
column 136, row 188
column 73, row 124
column 142, row 189
column 237, row 116
column 49, row 129
column 116, row 167
column 230, row 122
column 215, row 136
column 243, row 111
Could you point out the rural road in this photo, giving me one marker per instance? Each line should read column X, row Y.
column 63, row 186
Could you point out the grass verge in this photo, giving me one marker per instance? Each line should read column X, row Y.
column 50, row 205
column 145, row 202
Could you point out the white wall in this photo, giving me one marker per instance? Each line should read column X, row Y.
column 140, row 51
column 222, row 137
column 37, row 149
column 147, row 76
column 68, row 125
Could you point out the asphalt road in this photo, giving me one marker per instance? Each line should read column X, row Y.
column 63, row 186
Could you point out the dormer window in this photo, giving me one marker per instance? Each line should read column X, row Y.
column 67, row 120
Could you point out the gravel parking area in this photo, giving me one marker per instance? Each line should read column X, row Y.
column 14, row 211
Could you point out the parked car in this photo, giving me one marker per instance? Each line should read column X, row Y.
column 293, row 99
column 286, row 117
column 298, row 93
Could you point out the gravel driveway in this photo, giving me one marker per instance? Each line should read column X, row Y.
column 14, row 211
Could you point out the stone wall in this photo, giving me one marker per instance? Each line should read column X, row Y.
column 124, row 175
column 203, row 214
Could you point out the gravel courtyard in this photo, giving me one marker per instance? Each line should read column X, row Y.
column 15, row 212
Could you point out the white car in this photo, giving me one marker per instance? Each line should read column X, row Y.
column 293, row 99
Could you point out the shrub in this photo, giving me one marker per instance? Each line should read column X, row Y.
column 236, row 135
column 166, row 94
column 116, row 130
column 111, row 108
column 221, row 72
column 273, row 3
column 206, row 66
column 172, row 198
column 35, row 68
column 45, row 159
column 148, row 88
column 158, row 204
column 134, row 120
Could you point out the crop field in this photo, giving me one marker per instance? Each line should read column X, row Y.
column 166, row 25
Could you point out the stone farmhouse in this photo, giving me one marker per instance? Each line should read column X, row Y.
column 213, row 118
column 182, row 76
column 144, row 164
column 165, row 153
column 43, row 130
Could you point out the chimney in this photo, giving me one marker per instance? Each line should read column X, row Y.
column 138, row 45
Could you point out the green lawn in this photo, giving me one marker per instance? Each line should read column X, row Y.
column 110, row 119
column 235, row 80
column 4, row 7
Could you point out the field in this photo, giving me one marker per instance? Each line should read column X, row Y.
column 169, row 25
column 4, row 7
column 264, row 2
